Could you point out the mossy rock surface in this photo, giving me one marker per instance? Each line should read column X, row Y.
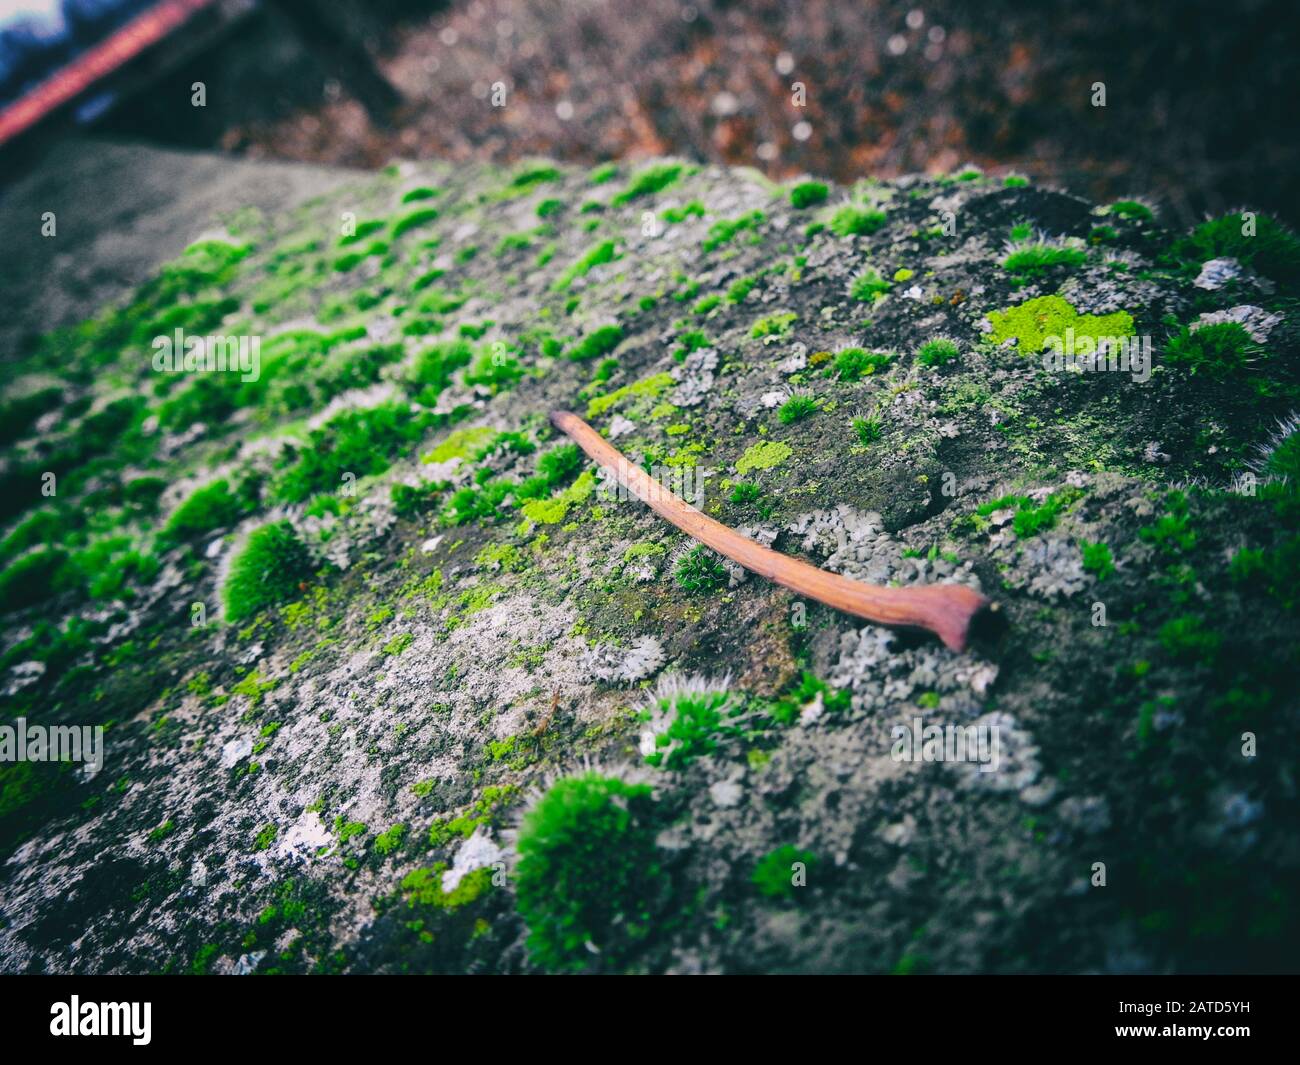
column 332, row 782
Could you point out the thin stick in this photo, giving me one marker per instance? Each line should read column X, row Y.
column 943, row 609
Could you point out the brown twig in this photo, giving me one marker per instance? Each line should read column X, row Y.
column 943, row 609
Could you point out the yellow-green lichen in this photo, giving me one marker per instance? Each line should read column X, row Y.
column 1033, row 321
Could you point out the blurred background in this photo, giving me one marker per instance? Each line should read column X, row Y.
column 1200, row 96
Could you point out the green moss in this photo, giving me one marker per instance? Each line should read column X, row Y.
column 675, row 215
column 854, row 221
column 356, row 442
column 599, row 342
column 854, row 363
column 936, row 352
column 269, row 569
column 707, row 304
column 869, row 286
column 1218, row 351
column 34, row 577
column 1172, row 533
column 647, row 388
column 160, row 833
column 763, row 456
column 1272, row 249
column 414, row 220
column 495, row 368
column 421, row 193
column 1033, row 321
column 589, row 873
column 1097, row 559
column 774, row 875
column 724, row 230
column 213, row 506
column 603, row 173
column 808, row 194
column 649, row 181
column 744, row 492
column 1187, row 639
column 554, row 510
column 388, row 841
column 807, row 691
column 740, row 288
column 796, row 408
column 699, row 570
column 868, row 430
column 774, row 325
column 1037, row 257
column 399, row 643
column 604, row 252
column 265, row 837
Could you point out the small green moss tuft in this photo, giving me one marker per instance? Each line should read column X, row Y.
column 778, row 874
column 854, row 363
column 795, row 408
column 588, row 865
column 1032, row 258
column 599, row 342
column 604, row 252
column 649, row 181
column 936, row 352
column 211, row 507
column 853, row 221
column 868, row 430
column 869, row 286
column 1219, row 350
column 700, row 570
column 269, row 569
column 808, row 194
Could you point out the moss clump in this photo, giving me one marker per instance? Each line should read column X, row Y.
column 699, row 570
column 796, row 408
column 745, row 492
column 854, row 363
column 763, row 456
column 356, row 442
column 270, row 568
column 809, row 690
column 852, row 221
column 774, row 875
column 414, row 220
column 1037, row 257
column 774, row 325
column 604, row 252
column 1219, row 350
column 676, row 215
column 1097, row 559
column 690, row 723
column 869, row 286
column 648, row 388
column 724, row 230
column 936, row 352
column 599, row 342
column 808, row 194
column 433, row 368
column 1033, row 321
column 33, row 578
column 213, row 506
column 588, row 868
column 868, row 430
column 421, row 193
column 1271, row 248
column 648, row 181
column 1132, row 211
